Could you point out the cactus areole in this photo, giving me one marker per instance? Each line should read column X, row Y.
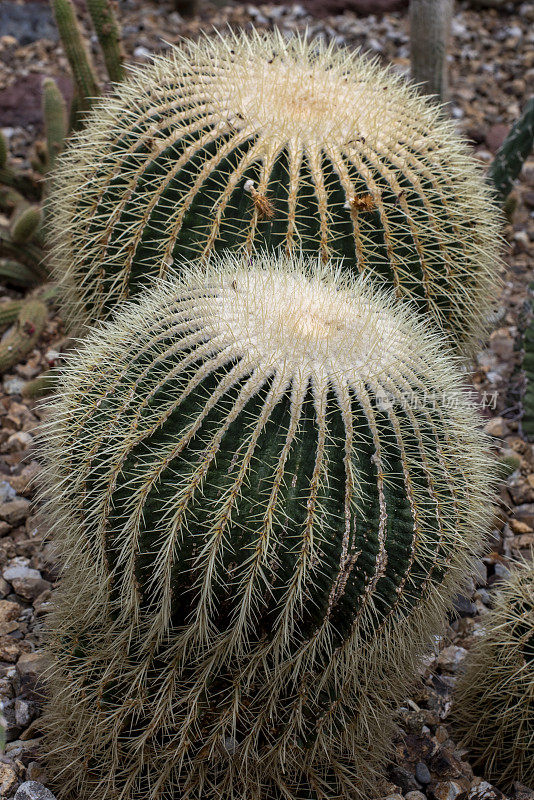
column 258, row 142
column 264, row 501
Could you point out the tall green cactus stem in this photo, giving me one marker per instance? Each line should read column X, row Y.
column 25, row 334
column 55, row 119
column 259, row 142
column 108, row 32
column 494, row 704
column 76, row 52
column 266, row 482
column 509, row 160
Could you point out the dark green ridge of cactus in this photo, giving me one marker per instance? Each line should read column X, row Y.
column 179, row 165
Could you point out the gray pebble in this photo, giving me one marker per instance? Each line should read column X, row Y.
column 31, row 790
column 422, row 773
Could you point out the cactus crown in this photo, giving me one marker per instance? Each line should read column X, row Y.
column 256, row 141
column 270, row 497
column 495, row 696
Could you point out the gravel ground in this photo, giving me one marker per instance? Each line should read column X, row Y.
column 492, row 74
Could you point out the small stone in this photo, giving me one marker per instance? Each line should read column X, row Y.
column 501, row 570
column 523, row 792
column 11, row 649
column 520, row 527
column 20, row 440
column 36, row 772
column 23, row 712
column 31, row 790
column 14, row 385
column 451, row 657
column 6, row 492
column 525, row 512
column 447, row 790
column 8, row 779
column 414, row 796
column 15, row 511
column 8, row 612
column 29, row 587
column 442, row 734
column 482, row 790
column 497, row 427
column 402, row 778
column 422, row 773
column 522, row 242
column 30, row 668
column 463, row 607
column 17, row 571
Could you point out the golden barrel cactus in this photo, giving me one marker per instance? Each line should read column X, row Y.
column 258, row 142
column 494, row 702
column 266, row 483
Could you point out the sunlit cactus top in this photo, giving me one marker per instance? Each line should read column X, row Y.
column 255, row 141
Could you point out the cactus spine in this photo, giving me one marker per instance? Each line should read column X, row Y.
column 262, row 516
column 258, row 142
column 495, row 696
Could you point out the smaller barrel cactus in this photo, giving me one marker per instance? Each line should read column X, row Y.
column 253, row 141
column 266, row 482
column 494, row 704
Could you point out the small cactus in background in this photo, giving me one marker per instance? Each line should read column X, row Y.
column 87, row 87
column 266, row 483
column 258, row 142
column 527, row 421
column 77, row 53
column 25, row 334
column 510, row 157
column 108, row 33
column 494, row 703
column 55, row 119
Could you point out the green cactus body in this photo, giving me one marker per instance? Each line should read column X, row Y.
column 262, row 143
column 25, row 334
column 55, row 119
column 528, row 366
column 266, row 483
column 13, row 272
column 76, row 52
column 108, row 32
column 24, row 225
column 9, row 311
column 3, row 151
column 510, row 158
column 494, row 701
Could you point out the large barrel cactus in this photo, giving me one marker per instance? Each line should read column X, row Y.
column 266, row 483
column 254, row 142
column 494, row 706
